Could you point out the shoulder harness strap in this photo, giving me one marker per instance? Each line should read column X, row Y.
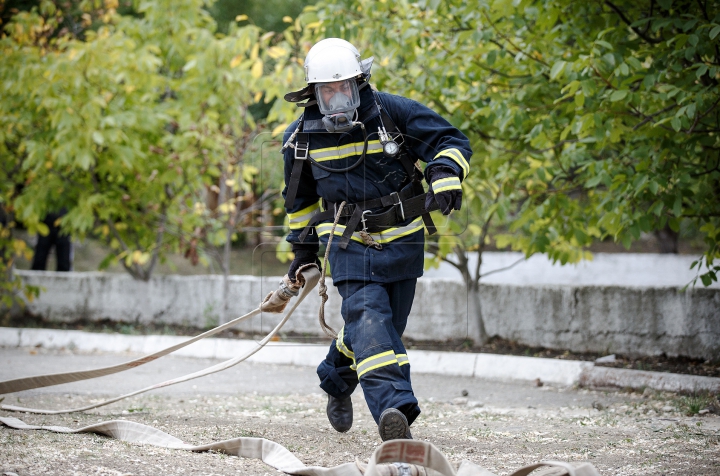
column 408, row 164
column 301, row 147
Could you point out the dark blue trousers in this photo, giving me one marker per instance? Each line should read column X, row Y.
column 368, row 349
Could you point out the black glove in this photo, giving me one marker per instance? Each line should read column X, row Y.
column 305, row 253
column 444, row 188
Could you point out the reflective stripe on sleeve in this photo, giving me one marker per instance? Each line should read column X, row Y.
column 384, row 237
column 445, row 184
column 298, row 220
column 402, row 359
column 376, row 361
column 457, row 157
column 335, row 153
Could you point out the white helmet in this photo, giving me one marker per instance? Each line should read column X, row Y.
column 334, row 59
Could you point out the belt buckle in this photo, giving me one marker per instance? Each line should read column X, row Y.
column 397, row 203
column 335, row 209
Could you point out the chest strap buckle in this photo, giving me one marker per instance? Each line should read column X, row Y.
column 302, row 150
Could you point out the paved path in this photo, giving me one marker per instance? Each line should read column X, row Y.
column 500, row 426
column 249, row 378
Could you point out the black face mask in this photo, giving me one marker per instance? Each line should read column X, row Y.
column 340, row 122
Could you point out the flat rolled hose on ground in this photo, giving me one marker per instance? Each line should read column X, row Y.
column 392, row 458
column 307, row 279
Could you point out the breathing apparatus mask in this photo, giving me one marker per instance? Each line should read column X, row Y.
column 332, row 70
column 338, row 102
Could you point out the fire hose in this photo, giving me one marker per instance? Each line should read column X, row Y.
column 307, row 278
column 392, row 458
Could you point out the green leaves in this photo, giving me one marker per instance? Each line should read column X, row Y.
column 618, row 95
column 714, row 32
column 557, row 69
column 583, row 128
column 131, row 127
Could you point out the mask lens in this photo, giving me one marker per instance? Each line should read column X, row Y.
column 337, row 97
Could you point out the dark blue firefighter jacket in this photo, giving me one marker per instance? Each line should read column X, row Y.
column 429, row 138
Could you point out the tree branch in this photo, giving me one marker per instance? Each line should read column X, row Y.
column 158, row 243
column 640, row 113
column 483, row 234
column 500, row 73
column 652, row 8
column 650, row 117
column 702, row 116
column 511, row 43
column 717, row 167
column 703, row 7
column 435, row 250
column 130, row 269
column 503, row 269
column 629, row 23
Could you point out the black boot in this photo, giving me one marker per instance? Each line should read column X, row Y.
column 393, row 425
column 340, row 413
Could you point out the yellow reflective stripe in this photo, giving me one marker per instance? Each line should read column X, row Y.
column 402, row 359
column 384, row 237
column 304, row 211
column 456, row 156
column 449, row 183
column 341, row 347
column 324, row 229
column 334, row 153
column 394, row 233
column 300, row 219
column 376, row 361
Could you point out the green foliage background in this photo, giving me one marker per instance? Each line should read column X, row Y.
column 153, row 121
column 589, row 119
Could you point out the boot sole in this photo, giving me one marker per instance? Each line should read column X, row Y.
column 393, row 425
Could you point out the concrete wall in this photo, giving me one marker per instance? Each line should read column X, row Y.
column 609, row 319
column 612, row 319
column 605, row 269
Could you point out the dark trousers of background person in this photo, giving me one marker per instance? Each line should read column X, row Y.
column 61, row 242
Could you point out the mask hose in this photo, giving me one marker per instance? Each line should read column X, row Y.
column 356, row 164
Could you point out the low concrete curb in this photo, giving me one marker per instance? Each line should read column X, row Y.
column 626, row 378
column 487, row 366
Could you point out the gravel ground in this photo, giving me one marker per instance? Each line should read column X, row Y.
column 500, row 426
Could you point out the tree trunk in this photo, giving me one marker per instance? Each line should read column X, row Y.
column 667, row 240
column 226, row 283
column 476, row 321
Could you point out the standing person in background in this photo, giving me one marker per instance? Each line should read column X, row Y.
column 356, row 150
column 61, row 242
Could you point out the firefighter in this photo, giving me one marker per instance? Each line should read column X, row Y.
column 356, row 145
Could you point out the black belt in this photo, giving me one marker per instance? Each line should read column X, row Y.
column 394, row 199
column 358, row 216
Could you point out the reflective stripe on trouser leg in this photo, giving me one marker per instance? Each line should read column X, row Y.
column 337, row 372
column 381, row 360
column 375, row 315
